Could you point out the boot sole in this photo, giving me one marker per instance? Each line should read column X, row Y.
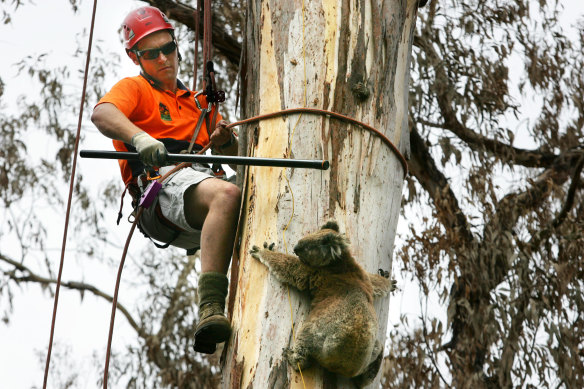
column 209, row 334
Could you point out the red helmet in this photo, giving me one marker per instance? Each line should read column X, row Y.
column 141, row 22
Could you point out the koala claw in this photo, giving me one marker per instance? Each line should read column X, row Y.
column 296, row 359
column 255, row 252
column 393, row 285
column 288, row 354
column 270, row 246
column 383, row 273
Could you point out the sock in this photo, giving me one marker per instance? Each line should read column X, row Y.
column 212, row 288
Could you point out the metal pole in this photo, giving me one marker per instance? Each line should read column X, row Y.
column 222, row 159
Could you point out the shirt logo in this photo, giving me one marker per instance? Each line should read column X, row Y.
column 164, row 112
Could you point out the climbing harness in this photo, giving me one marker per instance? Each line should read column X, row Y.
column 147, row 182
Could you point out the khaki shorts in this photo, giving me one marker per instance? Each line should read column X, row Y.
column 172, row 205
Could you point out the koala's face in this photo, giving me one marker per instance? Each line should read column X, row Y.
column 322, row 248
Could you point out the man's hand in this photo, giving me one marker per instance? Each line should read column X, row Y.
column 222, row 135
column 152, row 152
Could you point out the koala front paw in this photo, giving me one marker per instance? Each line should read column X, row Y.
column 255, row 252
column 383, row 273
column 269, row 247
column 393, row 286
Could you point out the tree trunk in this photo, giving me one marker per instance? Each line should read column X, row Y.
column 356, row 60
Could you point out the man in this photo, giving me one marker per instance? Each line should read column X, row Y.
column 153, row 114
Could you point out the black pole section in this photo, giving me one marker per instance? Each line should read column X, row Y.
column 231, row 160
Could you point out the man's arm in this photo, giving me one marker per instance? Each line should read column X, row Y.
column 111, row 122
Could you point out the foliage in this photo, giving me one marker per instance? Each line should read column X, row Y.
column 498, row 155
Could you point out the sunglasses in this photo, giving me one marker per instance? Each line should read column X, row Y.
column 154, row 53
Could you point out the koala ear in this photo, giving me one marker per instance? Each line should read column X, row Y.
column 331, row 225
column 333, row 242
column 336, row 252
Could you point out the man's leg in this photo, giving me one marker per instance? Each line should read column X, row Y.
column 212, row 206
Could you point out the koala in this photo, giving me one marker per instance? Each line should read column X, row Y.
column 340, row 332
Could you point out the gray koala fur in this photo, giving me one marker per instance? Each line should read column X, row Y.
column 340, row 332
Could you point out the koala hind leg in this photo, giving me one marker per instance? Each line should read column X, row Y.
column 298, row 358
column 372, row 369
column 304, row 351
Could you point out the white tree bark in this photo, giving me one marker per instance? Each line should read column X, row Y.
column 355, row 55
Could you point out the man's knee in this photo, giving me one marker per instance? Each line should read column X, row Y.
column 231, row 196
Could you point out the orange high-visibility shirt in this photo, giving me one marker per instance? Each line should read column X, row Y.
column 162, row 114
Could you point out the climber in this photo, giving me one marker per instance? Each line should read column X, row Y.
column 155, row 114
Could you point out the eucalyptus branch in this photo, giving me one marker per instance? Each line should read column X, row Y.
column 166, row 322
column 510, row 344
column 18, row 226
column 423, row 167
column 496, row 242
column 184, row 14
column 569, row 203
column 532, row 348
column 431, row 124
column 515, row 205
column 430, row 351
column 477, row 142
column 31, row 276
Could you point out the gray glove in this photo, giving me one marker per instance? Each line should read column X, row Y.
column 152, row 152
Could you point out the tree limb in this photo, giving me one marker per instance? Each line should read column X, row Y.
column 184, row 14
column 515, row 205
column 477, row 142
column 569, row 203
column 174, row 300
column 30, row 276
column 423, row 167
column 497, row 245
column 154, row 342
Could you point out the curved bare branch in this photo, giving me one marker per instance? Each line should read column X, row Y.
column 184, row 14
column 30, row 276
column 497, row 244
column 422, row 166
column 477, row 142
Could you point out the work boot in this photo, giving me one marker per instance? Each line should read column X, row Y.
column 213, row 327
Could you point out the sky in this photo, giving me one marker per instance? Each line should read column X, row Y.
column 82, row 326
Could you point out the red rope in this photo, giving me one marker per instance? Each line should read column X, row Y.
column 115, row 298
column 72, row 180
column 197, row 14
column 207, row 46
column 335, row 115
